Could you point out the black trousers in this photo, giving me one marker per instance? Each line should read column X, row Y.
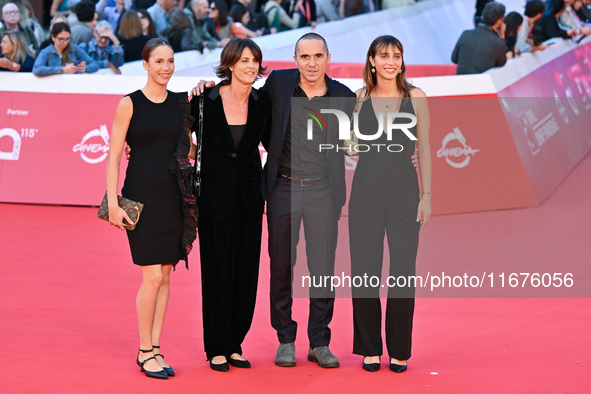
column 384, row 200
column 289, row 206
column 230, row 255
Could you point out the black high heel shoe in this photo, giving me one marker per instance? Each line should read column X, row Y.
column 151, row 374
column 397, row 367
column 373, row 367
column 169, row 371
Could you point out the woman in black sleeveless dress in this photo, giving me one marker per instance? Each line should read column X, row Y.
column 151, row 121
column 385, row 198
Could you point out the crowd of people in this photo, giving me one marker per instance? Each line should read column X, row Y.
column 108, row 33
column 112, row 32
column 498, row 37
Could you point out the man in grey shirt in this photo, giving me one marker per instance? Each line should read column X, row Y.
column 482, row 48
column 159, row 13
column 83, row 32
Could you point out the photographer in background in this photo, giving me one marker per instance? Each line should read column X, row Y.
column 105, row 48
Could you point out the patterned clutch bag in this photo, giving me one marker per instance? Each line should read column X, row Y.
column 132, row 208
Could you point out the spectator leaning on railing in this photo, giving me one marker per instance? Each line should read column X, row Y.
column 569, row 19
column 514, row 23
column 583, row 11
column 548, row 26
column 534, row 9
column 482, row 48
column 17, row 55
column 63, row 57
column 105, row 47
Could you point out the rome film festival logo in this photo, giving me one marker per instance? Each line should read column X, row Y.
column 453, row 155
column 15, row 151
column 94, row 147
column 345, row 132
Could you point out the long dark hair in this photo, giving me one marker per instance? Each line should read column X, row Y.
column 57, row 29
column 151, row 28
column 370, row 79
column 513, row 20
column 222, row 7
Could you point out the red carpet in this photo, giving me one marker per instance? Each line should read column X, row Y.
column 68, row 320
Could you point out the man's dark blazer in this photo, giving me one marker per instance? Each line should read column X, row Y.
column 478, row 50
column 230, row 173
column 280, row 86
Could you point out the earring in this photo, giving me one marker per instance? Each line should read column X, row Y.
column 373, row 70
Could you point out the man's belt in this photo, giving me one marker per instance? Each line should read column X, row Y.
column 302, row 181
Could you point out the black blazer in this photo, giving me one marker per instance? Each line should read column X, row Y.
column 230, row 174
column 548, row 28
column 280, row 86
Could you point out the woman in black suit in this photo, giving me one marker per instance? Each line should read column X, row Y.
column 235, row 121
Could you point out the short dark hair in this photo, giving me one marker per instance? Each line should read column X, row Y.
column 151, row 45
column 533, row 8
column 232, row 53
column 237, row 12
column 310, row 36
column 85, row 10
column 492, row 12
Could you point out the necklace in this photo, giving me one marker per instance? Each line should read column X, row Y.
column 392, row 101
column 240, row 107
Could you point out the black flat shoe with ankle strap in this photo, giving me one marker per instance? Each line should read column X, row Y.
column 169, row 370
column 151, row 374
